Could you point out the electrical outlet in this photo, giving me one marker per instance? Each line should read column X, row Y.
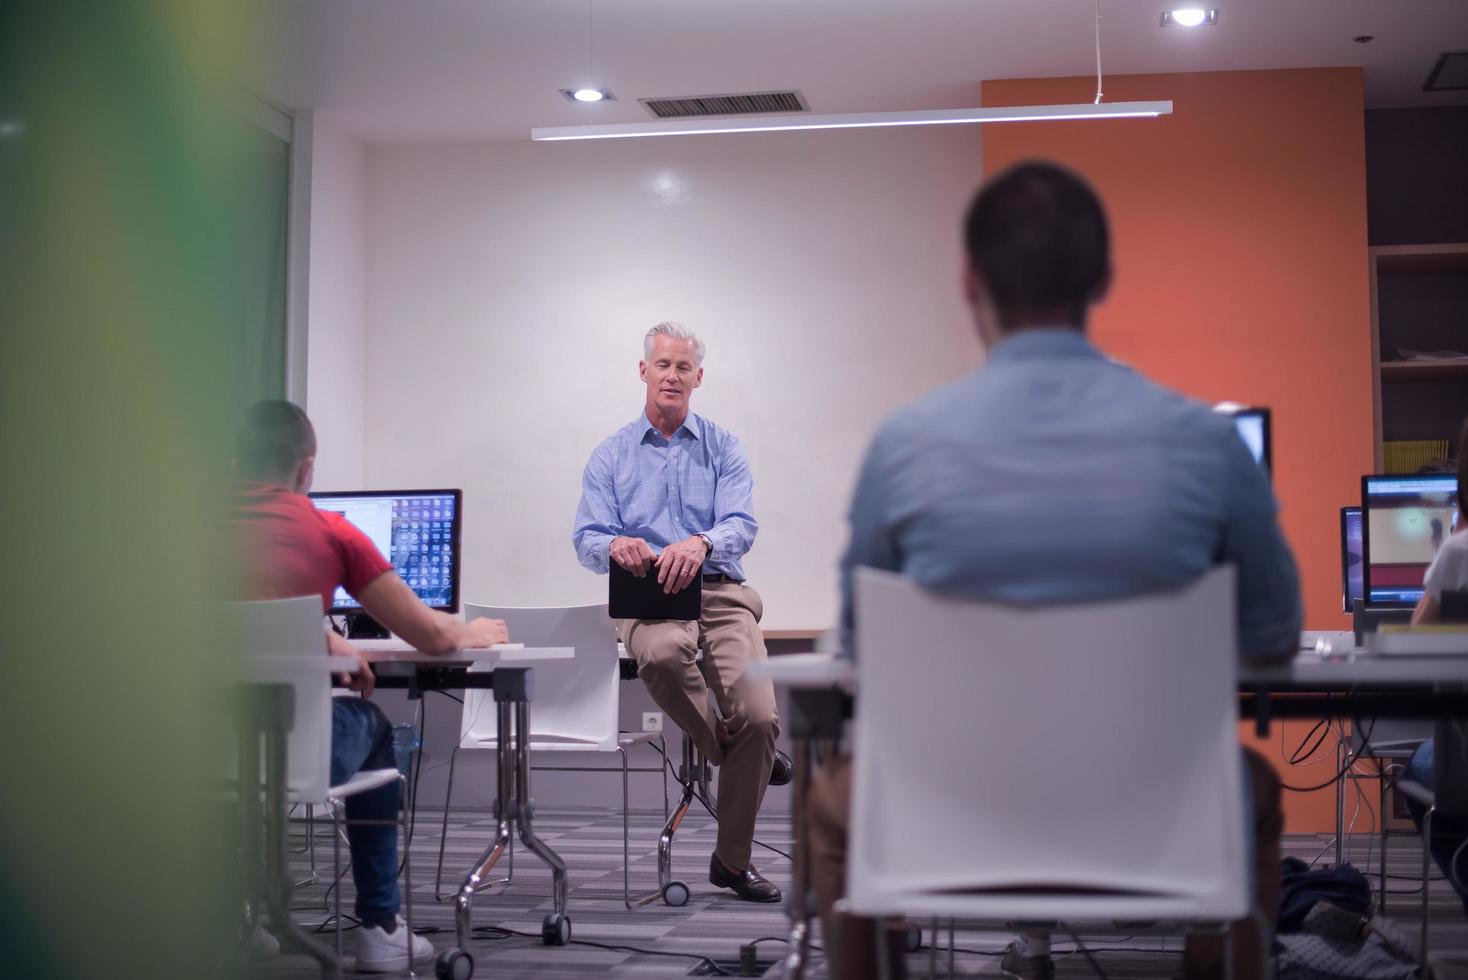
column 652, row 721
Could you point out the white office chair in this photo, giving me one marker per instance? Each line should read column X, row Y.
column 282, row 628
column 1067, row 764
column 575, row 709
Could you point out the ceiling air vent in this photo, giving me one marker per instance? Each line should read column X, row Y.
column 742, row 104
column 1450, row 74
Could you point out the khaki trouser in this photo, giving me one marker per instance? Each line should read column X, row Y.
column 740, row 739
column 850, row 940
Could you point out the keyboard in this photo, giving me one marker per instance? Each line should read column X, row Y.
column 1328, row 642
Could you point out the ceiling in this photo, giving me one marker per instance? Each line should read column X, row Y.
column 394, row 71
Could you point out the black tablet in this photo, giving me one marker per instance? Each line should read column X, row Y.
column 643, row 598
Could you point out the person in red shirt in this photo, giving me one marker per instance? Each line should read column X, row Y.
column 290, row 548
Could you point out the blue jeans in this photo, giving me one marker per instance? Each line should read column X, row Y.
column 1449, row 831
column 361, row 738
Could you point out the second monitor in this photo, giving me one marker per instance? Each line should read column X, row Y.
column 1406, row 519
column 1352, row 566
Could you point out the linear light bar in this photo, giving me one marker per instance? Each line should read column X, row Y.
column 857, row 120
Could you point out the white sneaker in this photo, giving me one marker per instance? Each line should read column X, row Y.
column 379, row 952
column 261, row 944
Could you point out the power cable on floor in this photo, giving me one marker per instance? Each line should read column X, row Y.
column 615, row 948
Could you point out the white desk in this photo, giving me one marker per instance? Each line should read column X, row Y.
column 264, row 669
column 505, row 669
column 399, row 652
column 822, row 684
column 1358, row 673
column 807, row 670
column 1358, row 670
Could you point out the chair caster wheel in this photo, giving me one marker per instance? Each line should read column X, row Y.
column 453, row 964
column 914, row 938
column 555, row 930
column 675, row 893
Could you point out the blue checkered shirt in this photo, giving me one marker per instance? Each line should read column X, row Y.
column 642, row 485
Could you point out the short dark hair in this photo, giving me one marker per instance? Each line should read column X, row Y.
column 1036, row 235
column 273, row 440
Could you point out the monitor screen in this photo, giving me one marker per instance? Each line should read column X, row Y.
column 417, row 530
column 1352, row 573
column 1406, row 520
column 1253, row 427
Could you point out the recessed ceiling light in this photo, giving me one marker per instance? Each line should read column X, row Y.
column 1190, row 17
column 588, row 94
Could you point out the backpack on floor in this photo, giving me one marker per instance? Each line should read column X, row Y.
column 1327, row 930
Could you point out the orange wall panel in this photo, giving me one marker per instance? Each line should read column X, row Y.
column 1239, row 241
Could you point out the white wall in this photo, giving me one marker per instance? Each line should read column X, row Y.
column 509, row 285
column 337, row 315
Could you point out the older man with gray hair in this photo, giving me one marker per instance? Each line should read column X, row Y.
column 670, row 494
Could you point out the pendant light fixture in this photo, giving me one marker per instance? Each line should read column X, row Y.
column 866, row 120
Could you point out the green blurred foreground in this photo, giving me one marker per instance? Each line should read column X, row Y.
column 121, row 206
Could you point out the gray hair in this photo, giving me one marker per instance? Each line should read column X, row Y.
column 676, row 330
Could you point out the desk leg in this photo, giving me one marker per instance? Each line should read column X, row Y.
column 248, row 770
column 799, row 937
column 464, row 901
column 279, row 886
column 1342, row 757
column 556, row 929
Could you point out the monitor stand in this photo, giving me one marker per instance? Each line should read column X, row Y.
column 361, row 626
column 1366, row 619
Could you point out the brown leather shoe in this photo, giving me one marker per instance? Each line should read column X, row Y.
column 749, row 884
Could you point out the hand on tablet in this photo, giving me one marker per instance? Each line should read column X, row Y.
column 680, row 562
column 632, row 554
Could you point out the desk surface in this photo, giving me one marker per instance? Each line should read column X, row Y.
column 799, row 670
column 266, row 669
column 396, row 651
column 1307, row 671
column 1359, row 670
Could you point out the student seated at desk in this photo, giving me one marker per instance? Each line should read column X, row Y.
column 1448, row 574
column 292, row 549
column 1056, row 475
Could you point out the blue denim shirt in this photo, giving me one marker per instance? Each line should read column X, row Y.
column 641, row 484
column 1053, row 475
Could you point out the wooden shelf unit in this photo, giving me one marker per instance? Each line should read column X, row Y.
column 1422, row 394
column 1424, row 370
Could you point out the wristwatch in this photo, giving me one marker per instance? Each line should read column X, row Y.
column 708, row 543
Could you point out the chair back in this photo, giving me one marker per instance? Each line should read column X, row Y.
column 284, row 630
column 1047, row 763
column 1388, row 738
column 576, row 701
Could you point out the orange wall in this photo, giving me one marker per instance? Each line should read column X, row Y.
column 1239, row 241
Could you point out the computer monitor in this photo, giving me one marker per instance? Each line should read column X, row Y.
column 1406, row 519
column 1352, row 572
column 417, row 530
column 1253, row 428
